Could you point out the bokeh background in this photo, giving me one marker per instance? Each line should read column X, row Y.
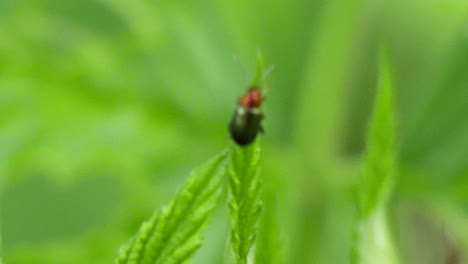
column 106, row 105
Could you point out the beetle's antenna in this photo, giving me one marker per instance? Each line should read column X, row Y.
column 263, row 78
column 261, row 72
column 267, row 72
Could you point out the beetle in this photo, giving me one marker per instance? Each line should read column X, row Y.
column 246, row 122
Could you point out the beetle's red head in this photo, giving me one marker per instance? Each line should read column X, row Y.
column 252, row 99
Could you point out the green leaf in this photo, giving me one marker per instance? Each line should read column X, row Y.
column 379, row 164
column 259, row 71
column 244, row 199
column 372, row 240
column 173, row 234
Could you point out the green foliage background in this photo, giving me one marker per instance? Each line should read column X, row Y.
column 105, row 106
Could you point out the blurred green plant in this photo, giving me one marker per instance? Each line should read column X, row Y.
column 1, row 248
column 372, row 238
column 269, row 247
column 99, row 98
column 174, row 233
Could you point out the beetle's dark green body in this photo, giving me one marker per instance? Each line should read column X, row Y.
column 245, row 125
column 247, row 119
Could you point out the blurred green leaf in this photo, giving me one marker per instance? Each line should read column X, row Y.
column 269, row 248
column 373, row 239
